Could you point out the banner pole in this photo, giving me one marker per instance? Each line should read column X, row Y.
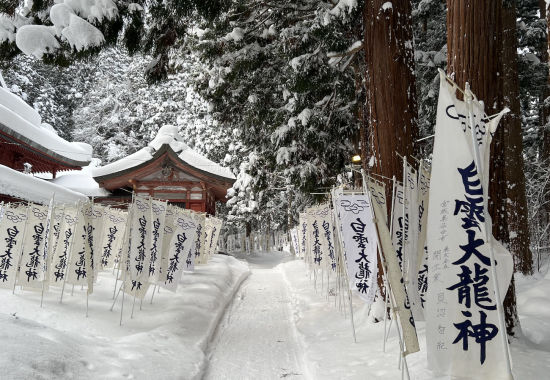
column 488, row 234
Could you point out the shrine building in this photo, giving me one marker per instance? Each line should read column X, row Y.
column 29, row 147
column 166, row 169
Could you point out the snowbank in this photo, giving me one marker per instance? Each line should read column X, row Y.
column 81, row 181
column 167, row 135
column 332, row 354
column 165, row 340
column 29, row 188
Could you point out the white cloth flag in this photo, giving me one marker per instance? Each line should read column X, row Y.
column 400, row 225
column 91, row 218
column 32, row 268
column 295, row 241
column 140, row 239
column 378, row 195
column 60, row 259
column 422, row 247
column 57, row 220
column 462, row 329
column 395, row 279
column 114, row 227
column 186, row 223
column 158, row 218
column 411, row 267
column 317, row 246
column 98, row 221
column 12, row 230
column 359, row 241
column 182, row 242
column 200, row 256
column 214, row 236
column 302, row 234
column 169, row 229
column 76, row 270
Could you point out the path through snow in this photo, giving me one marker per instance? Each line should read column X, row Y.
column 256, row 337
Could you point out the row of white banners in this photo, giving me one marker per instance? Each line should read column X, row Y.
column 438, row 262
column 53, row 245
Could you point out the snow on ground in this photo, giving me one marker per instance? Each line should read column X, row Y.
column 165, row 340
column 332, row 354
column 257, row 338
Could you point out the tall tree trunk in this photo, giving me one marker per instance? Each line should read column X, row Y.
column 391, row 92
column 544, row 131
column 390, row 123
column 516, row 201
column 475, row 47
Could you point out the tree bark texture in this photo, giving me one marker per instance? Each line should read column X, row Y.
column 516, row 204
column 391, row 108
column 475, row 55
column 390, row 113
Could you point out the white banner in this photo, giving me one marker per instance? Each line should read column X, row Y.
column 76, row 272
column 12, row 230
column 169, row 229
column 214, row 235
column 422, row 247
column 200, row 256
column 32, row 266
column 185, row 222
column 359, row 241
column 295, row 240
column 140, row 239
column 400, row 225
column 181, row 244
column 114, row 228
column 462, row 329
column 158, row 218
column 57, row 220
column 395, row 279
column 411, row 266
column 378, row 195
column 91, row 218
column 63, row 248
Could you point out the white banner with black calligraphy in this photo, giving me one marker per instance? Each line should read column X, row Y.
column 422, row 247
column 359, row 241
column 140, row 239
column 400, row 225
column 302, row 234
column 410, row 247
column 397, row 285
column 187, row 224
column 158, row 218
column 200, row 256
column 60, row 257
column 92, row 218
column 12, row 230
column 295, row 241
column 181, row 244
column 76, row 272
column 317, row 255
column 32, row 268
column 214, row 236
column 114, row 228
column 462, row 329
column 378, row 195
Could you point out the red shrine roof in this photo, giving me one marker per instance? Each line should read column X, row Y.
column 166, row 161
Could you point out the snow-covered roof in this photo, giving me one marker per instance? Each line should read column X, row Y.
column 29, row 188
column 23, row 123
column 81, row 181
column 167, row 135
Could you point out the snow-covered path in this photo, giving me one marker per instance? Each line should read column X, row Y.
column 256, row 337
